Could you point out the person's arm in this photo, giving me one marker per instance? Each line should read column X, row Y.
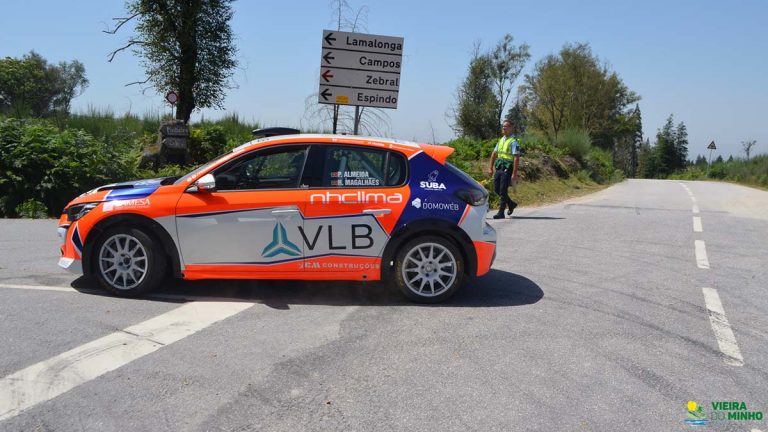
column 514, row 168
column 493, row 159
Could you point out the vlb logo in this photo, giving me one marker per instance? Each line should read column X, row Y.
column 432, row 183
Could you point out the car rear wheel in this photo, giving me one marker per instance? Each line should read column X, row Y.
column 429, row 269
column 129, row 262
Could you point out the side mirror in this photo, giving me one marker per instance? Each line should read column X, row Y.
column 206, row 183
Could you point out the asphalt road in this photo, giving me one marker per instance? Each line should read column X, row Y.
column 599, row 314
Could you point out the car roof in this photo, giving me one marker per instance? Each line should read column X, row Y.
column 411, row 148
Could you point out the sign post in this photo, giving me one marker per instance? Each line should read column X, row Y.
column 360, row 69
column 173, row 98
column 711, row 147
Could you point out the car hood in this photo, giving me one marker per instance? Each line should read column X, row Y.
column 119, row 191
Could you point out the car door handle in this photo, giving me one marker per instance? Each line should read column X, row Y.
column 284, row 212
column 377, row 212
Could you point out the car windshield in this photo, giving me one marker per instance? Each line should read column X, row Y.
column 200, row 168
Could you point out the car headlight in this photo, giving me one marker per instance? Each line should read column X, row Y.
column 77, row 211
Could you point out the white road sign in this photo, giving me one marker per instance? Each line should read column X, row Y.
column 360, row 69
column 361, row 97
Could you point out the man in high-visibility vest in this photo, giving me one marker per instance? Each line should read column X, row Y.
column 504, row 162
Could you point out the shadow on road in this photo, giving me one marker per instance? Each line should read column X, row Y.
column 536, row 218
column 497, row 289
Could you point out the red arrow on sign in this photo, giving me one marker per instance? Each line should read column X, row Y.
column 326, row 75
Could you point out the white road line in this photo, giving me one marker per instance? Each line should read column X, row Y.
column 701, row 254
column 723, row 333
column 150, row 296
column 693, row 199
column 50, row 378
column 38, row 287
column 695, row 209
column 697, row 224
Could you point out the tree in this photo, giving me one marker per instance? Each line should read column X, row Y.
column 681, row 146
column 637, row 140
column 747, row 146
column 665, row 151
column 574, row 89
column 476, row 112
column 31, row 87
column 517, row 116
column 506, row 62
column 184, row 45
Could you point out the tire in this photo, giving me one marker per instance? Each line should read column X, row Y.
column 128, row 262
column 429, row 269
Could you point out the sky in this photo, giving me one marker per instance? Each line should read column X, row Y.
column 702, row 61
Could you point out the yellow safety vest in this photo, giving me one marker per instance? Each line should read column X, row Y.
column 506, row 149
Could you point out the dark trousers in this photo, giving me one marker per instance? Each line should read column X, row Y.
column 501, row 181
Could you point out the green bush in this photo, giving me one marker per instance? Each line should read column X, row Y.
column 576, row 142
column 599, row 162
column 206, row 142
column 469, row 149
column 536, row 142
column 32, row 209
column 717, row 171
column 39, row 162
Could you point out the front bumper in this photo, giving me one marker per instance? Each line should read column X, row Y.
column 70, row 257
column 72, row 265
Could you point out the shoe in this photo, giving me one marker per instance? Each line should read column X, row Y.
column 498, row 216
column 511, row 209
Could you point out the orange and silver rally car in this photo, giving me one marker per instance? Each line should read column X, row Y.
column 307, row 207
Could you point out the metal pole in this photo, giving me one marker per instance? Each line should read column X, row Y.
column 710, row 162
column 335, row 117
column 357, row 119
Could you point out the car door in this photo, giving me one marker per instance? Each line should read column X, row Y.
column 252, row 221
column 353, row 204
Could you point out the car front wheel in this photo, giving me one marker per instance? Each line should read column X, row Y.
column 129, row 262
column 429, row 269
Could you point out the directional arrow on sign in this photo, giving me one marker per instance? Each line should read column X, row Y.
column 329, row 39
column 326, row 93
column 328, row 57
column 326, row 75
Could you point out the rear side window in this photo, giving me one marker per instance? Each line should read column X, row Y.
column 353, row 167
column 337, row 166
column 397, row 169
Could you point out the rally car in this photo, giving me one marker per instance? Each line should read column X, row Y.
column 308, row 207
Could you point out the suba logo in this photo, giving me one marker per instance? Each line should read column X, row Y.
column 432, row 183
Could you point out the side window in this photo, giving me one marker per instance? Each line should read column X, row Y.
column 278, row 168
column 353, row 167
column 397, row 172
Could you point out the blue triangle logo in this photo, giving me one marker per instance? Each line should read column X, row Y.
column 280, row 244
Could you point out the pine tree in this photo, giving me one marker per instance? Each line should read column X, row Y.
column 637, row 139
column 665, row 150
column 681, row 146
